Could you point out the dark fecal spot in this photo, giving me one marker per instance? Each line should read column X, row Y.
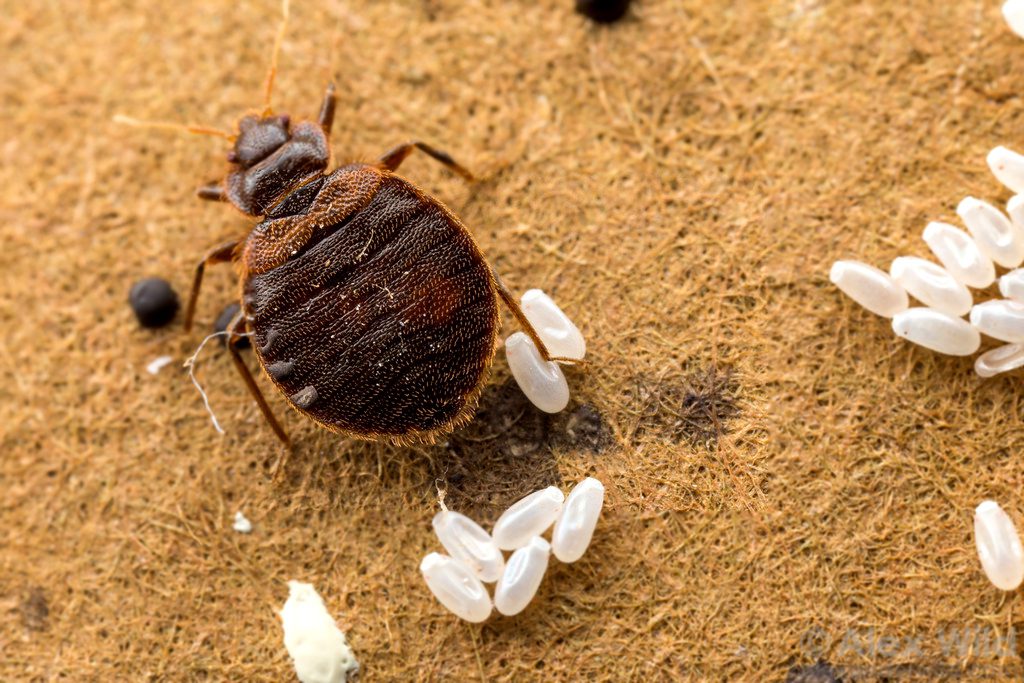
column 268, row 345
column 582, row 429
column 282, row 369
column 508, row 450
column 305, row 397
column 499, row 457
column 696, row 408
column 507, row 422
column 35, row 610
column 707, row 404
column 820, row 672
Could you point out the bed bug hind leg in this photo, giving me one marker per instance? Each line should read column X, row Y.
column 394, row 158
column 222, row 253
column 235, row 333
column 517, row 312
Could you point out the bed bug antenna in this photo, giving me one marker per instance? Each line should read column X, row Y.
column 168, row 125
column 272, row 73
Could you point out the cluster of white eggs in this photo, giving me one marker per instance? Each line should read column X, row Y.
column 967, row 261
column 542, row 381
column 999, row 547
column 457, row 580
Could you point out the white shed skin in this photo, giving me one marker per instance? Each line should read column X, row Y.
column 317, row 646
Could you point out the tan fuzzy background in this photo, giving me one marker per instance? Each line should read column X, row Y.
column 781, row 472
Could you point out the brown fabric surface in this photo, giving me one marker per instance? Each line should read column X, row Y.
column 775, row 459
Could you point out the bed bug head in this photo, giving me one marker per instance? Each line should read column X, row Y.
column 258, row 138
column 271, row 158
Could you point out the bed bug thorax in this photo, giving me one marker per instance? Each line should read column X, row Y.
column 368, row 303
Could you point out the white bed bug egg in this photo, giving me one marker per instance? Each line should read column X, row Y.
column 1000, row 360
column 456, row 587
column 522, row 576
column 937, row 331
column 529, row 517
column 466, row 540
column 1015, row 209
column 561, row 337
column 932, row 285
column 1000, row 319
column 999, row 547
column 870, row 287
column 317, row 646
column 959, row 254
column 1008, row 168
column 997, row 237
column 1011, row 285
column 241, row 524
column 575, row 526
column 1013, row 12
column 541, row 381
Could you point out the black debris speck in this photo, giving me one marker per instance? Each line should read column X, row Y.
column 153, row 301
column 222, row 322
column 603, row 11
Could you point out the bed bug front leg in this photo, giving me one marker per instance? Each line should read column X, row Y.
column 517, row 312
column 219, row 254
column 235, row 333
column 394, row 158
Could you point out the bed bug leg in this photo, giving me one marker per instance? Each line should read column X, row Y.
column 326, row 118
column 517, row 312
column 213, row 192
column 394, row 158
column 236, row 328
column 219, row 254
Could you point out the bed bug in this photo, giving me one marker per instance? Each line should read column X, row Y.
column 368, row 303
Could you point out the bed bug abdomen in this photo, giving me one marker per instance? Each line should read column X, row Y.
column 374, row 312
